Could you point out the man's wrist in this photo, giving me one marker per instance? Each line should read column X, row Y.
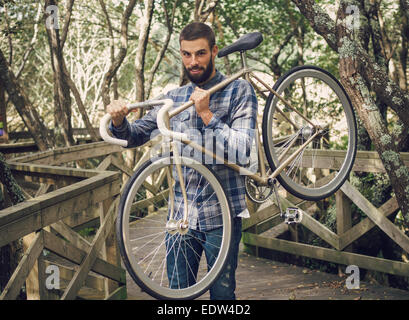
column 116, row 124
column 206, row 116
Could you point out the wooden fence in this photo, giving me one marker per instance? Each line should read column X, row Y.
column 49, row 221
column 264, row 227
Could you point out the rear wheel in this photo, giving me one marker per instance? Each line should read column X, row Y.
column 322, row 167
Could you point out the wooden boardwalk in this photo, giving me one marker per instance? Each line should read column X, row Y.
column 62, row 200
column 263, row 279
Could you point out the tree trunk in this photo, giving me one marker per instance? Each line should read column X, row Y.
column 9, row 254
column 359, row 74
column 26, row 110
column 3, row 116
column 162, row 51
column 117, row 60
column 62, row 97
column 141, row 51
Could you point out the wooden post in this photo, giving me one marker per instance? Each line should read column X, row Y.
column 344, row 219
column 110, row 250
column 32, row 283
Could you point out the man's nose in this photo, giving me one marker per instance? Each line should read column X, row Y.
column 194, row 60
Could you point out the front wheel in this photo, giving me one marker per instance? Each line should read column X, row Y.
column 324, row 164
column 167, row 256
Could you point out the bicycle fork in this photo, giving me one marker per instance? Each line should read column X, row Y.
column 177, row 226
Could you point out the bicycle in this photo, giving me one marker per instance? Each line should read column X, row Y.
column 307, row 115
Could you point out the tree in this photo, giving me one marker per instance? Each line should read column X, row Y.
column 364, row 74
column 117, row 60
column 63, row 83
column 26, row 110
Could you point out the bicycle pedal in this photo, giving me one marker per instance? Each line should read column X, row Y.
column 292, row 215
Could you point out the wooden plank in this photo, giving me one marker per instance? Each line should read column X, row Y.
column 121, row 166
column 46, row 200
column 52, row 171
column 331, row 255
column 376, row 216
column 366, row 224
column 265, row 211
column 34, row 214
column 32, row 280
column 73, row 237
column 75, row 255
column 119, row 294
column 367, row 161
column 344, row 219
column 105, row 163
column 141, row 204
column 77, row 281
column 19, row 276
column 110, row 250
column 272, row 222
column 42, row 190
column 82, row 219
column 63, row 155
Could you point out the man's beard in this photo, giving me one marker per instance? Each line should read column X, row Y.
column 198, row 79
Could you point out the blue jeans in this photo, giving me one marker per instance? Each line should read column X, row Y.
column 182, row 272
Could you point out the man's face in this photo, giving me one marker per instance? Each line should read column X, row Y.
column 198, row 59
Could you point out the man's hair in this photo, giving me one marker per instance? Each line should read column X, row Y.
column 198, row 30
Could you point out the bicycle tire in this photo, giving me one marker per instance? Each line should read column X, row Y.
column 132, row 260
column 293, row 85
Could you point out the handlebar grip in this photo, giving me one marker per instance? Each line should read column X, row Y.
column 103, row 131
column 162, row 114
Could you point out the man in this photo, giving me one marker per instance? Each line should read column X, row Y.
column 229, row 113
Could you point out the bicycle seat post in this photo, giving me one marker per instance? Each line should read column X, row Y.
column 244, row 63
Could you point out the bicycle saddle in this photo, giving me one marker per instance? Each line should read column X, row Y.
column 246, row 42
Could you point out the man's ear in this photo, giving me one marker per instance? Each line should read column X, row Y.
column 215, row 50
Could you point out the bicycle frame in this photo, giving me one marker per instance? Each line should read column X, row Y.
column 167, row 112
column 261, row 178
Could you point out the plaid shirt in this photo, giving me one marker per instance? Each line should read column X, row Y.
column 230, row 133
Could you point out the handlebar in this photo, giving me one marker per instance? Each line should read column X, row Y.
column 161, row 121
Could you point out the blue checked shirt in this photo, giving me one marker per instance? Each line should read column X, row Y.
column 229, row 133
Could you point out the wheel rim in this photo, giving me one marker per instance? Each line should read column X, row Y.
column 324, row 101
column 151, row 241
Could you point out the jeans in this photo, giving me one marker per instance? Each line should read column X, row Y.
column 183, row 271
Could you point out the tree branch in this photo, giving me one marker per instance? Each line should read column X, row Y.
column 113, row 69
column 161, row 53
column 66, row 23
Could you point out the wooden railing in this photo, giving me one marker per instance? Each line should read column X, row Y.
column 48, row 222
column 88, row 197
column 264, row 226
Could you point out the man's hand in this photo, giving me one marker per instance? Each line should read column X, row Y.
column 201, row 99
column 118, row 111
